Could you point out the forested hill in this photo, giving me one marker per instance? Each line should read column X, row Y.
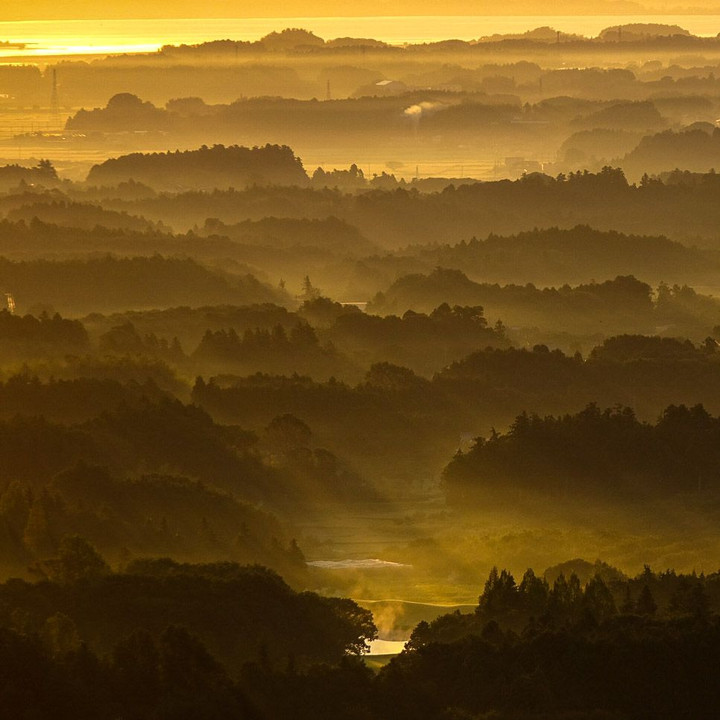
column 111, row 284
column 207, row 167
column 684, row 208
column 600, row 454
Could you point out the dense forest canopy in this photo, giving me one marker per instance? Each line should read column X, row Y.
column 605, row 453
column 216, row 167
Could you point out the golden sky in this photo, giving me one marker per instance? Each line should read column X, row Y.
column 80, row 9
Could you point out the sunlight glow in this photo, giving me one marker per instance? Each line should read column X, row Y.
column 70, row 50
column 70, row 37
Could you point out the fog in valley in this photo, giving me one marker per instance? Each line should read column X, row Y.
column 352, row 379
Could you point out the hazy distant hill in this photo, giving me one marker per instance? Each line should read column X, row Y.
column 557, row 256
column 397, row 218
column 696, row 150
column 624, row 301
column 78, row 215
column 207, row 167
column 112, row 284
column 329, row 233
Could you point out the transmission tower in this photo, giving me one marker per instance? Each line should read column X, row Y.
column 54, row 100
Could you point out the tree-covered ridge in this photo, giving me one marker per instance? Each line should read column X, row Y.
column 646, row 372
column 71, row 400
column 568, row 101
column 321, row 338
column 423, row 342
column 606, row 454
column 617, row 301
column 582, row 314
column 145, row 430
column 200, row 318
column 533, row 649
column 77, row 215
column 276, row 351
column 329, row 232
column 207, row 167
column 136, row 471
column 395, row 218
column 284, row 231
column 43, row 174
column 576, row 255
column 694, row 150
column 142, row 477
column 429, row 336
column 30, row 333
column 241, row 612
column 344, row 265
column 111, row 284
column 394, row 408
column 559, row 598
column 566, row 649
column 117, row 232
column 134, row 517
column 95, row 399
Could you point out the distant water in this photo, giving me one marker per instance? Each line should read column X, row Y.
column 78, row 37
column 386, row 647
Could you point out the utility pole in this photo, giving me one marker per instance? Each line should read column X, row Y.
column 54, row 101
